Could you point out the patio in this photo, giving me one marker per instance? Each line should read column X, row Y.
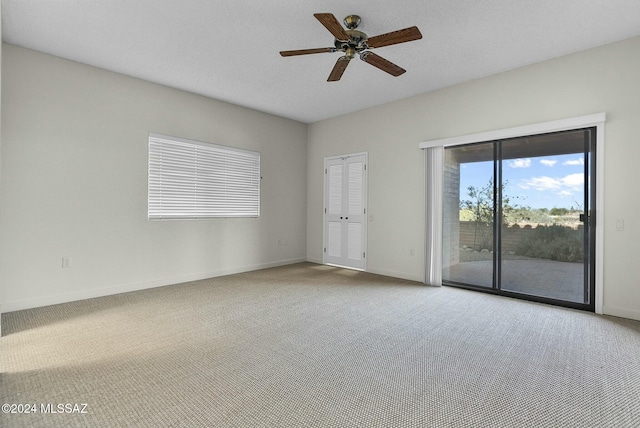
column 547, row 278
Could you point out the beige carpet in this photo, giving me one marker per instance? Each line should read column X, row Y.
column 310, row 345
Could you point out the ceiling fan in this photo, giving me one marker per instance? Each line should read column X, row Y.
column 352, row 42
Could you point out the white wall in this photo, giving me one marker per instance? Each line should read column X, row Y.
column 604, row 79
column 73, row 173
column 74, row 184
column 2, row 296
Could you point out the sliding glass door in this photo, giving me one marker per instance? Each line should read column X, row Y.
column 518, row 215
column 469, row 213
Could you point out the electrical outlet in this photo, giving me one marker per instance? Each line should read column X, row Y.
column 411, row 252
column 66, row 263
column 619, row 225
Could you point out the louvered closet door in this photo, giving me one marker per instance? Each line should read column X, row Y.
column 345, row 211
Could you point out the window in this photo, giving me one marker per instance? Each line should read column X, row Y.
column 192, row 179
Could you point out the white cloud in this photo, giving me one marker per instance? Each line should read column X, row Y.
column 548, row 162
column 541, row 183
column 563, row 184
column 520, row 163
column 579, row 161
column 573, row 180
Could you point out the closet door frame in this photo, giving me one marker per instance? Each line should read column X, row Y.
column 348, row 219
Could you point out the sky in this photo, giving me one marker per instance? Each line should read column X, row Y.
column 540, row 182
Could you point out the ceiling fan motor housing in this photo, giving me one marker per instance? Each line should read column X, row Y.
column 357, row 39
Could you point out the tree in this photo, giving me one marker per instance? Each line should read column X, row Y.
column 480, row 204
column 559, row 211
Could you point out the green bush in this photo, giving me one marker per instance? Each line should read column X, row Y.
column 554, row 242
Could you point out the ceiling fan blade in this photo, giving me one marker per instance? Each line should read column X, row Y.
column 381, row 63
column 333, row 25
column 307, row 51
column 395, row 37
column 338, row 69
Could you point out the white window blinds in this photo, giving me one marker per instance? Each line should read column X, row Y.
column 191, row 179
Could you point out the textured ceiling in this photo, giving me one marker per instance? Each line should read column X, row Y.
column 228, row 50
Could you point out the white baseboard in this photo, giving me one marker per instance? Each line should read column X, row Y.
column 621, row 312
column 125, row 288
column 383, row 272
column 395, row 274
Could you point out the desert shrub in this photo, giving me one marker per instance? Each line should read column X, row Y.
column 554, row 242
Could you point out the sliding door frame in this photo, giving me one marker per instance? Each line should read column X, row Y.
column 596, row 121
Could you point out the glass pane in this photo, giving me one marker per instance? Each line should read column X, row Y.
column 468, row 215
column 543, row 203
